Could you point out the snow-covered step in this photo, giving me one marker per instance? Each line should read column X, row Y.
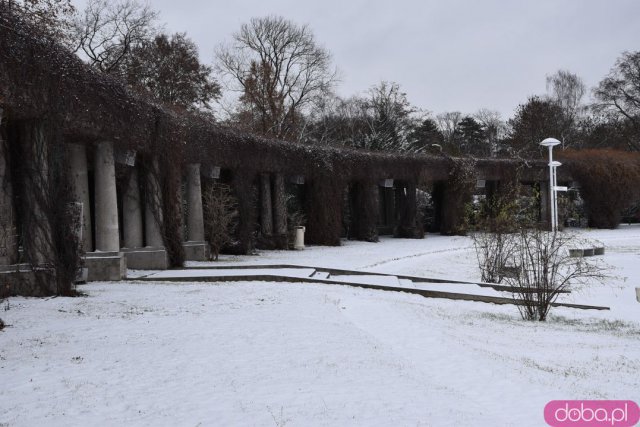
column 321, row 275
column 459, row 288
column 406, row 283
column 368, row 279
column 210, row 272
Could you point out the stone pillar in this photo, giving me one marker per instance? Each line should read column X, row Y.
column 366, row 208
column 132, row 213
column 279, row 205
column 79, row 175
column 437, row 197
column 38, row 241
column 545, row 203
column 324, row 200
column 153, row 207
column 243, row 185
column 388, row 206
column 266, row 215
column 492, row 189
column 195, row 218
column 406, row 203
column 153, row 256
column 279, row 212
column 8, row 241
column 106, row 201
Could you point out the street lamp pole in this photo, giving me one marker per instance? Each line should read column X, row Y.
column 550, row 143
column 554, row 166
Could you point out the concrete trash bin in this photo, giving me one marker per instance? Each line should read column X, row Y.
column 299, row 244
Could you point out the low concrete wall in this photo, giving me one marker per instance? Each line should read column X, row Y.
column 151, row 258
column 105, row 266
column 22, row 280
column 196, row 251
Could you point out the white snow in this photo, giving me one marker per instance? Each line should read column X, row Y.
column 273, row 354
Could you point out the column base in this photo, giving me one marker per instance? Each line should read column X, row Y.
column 147, row 258
column 196, row 251
column 105, row 266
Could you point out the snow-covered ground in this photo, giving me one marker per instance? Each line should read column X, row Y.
column 274, row 354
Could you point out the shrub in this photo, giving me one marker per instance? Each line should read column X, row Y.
column 495, row 224
column 609, row 183
column 545, row 270
column 220, row 216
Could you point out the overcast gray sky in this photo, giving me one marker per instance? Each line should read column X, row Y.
column 446, row 55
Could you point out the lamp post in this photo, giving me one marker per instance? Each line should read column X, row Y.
column 550, row 143
column 554, row 167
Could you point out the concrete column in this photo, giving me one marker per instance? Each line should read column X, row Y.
column 266, row 214
column 132, row 213
column 279, row 205
column 364, row 218
column 247, row 211
column 545, row 203
column 79, row 176
column 38, row 240
column 8, row 245
column 153, row 207
column 389, row 206
column 406, row 204
column 106, row 201
column 195, row 217
column 324, row 197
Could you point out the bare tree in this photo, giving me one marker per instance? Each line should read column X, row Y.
column 390, row 117
column 107, row 32
column 279, row 70
column 169, row 68
column 532, row 122
column 381, row 119
column 340, row 122
column 494, row 127
column 53, row 17
column 566, row 89
column 619, row 95
column 448, row 123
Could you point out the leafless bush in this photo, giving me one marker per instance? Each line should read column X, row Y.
column 494, row 239
column 494, row 250
column 220, row 216
column 545, row 270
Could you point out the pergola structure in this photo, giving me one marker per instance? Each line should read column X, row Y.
column 137, row 168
